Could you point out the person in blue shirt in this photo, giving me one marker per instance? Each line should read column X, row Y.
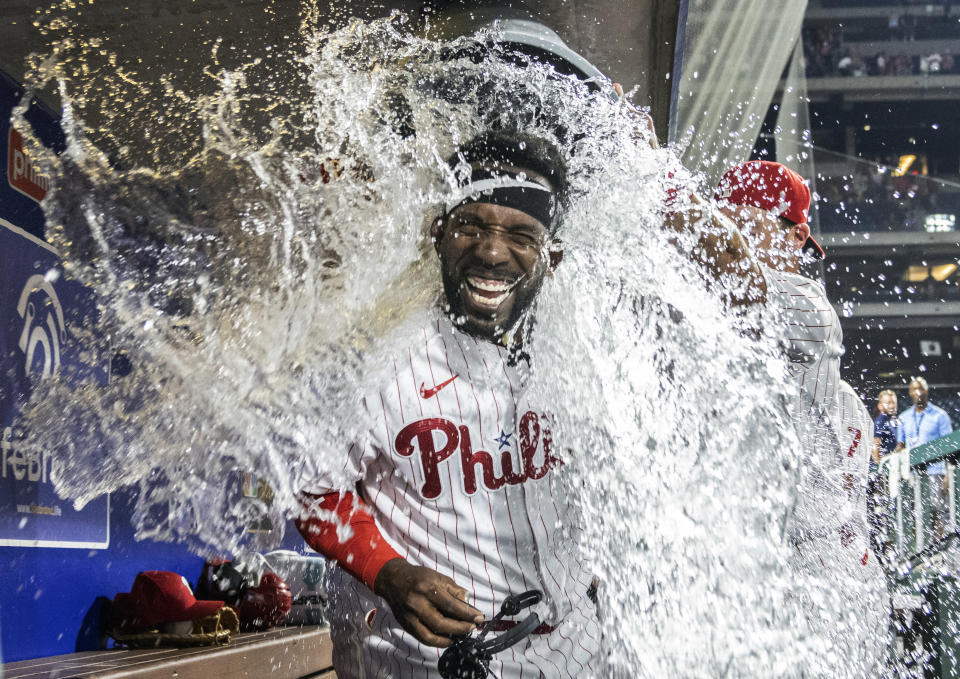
column 921, row 424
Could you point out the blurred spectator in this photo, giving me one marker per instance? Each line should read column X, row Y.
column 886, row 426
column 880, row 64
column 908, row 26
column 931, row 63
column 922, row 423
column 902, row 65
column 893, row 26
column 851, row 63
column 907, row 185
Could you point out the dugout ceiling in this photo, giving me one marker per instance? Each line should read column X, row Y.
column 633, row 44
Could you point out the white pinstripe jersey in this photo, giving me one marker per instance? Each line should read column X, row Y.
column 460, row 473
column 814, row 337
column 867, row 638
column 828, row 421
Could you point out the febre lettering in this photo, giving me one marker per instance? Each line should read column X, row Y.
column 30, row 465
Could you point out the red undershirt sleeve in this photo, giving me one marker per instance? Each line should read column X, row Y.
column 364, row 553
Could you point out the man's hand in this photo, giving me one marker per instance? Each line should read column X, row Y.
column 721, row 251
column 643, row 123
column 429, row 605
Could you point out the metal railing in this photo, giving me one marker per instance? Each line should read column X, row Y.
column 910, row 520
column 922, row 576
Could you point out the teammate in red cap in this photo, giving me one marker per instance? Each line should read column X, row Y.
column 769, row 203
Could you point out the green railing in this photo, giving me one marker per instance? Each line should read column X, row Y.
column 939, row 449
column 926, row 591
column 911, row 518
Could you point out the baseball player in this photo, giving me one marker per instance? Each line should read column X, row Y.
column 829, row 535
column 453, row 507
column 769, row 203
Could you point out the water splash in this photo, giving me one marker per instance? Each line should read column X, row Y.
column 255, row 278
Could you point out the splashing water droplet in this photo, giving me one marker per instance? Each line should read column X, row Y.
column 260, row 260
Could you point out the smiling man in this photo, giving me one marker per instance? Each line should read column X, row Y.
column 494, row 240
column 449, row 502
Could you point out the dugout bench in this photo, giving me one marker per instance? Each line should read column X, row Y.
column 279, row 653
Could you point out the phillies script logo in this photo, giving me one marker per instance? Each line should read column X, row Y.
column 22, row 174
column 457, row 439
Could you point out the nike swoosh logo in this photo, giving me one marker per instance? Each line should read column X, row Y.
column 430, row 393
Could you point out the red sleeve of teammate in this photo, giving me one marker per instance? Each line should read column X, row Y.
column 364, row 553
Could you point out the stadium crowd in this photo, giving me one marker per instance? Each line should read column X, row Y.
column 828, row 54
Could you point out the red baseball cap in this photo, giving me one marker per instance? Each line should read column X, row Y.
column 158, row 597
column 769, row 186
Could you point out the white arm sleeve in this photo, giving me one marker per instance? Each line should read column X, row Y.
column 855, row 431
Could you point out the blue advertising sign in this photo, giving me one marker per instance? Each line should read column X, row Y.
column 38, row 308
column 38, row 305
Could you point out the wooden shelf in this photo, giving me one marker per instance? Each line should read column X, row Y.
column 279, row 653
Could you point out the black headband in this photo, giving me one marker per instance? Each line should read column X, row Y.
column 508, row 189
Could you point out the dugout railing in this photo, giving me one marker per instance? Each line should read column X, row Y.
column 910, row 519
column 923, row 565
